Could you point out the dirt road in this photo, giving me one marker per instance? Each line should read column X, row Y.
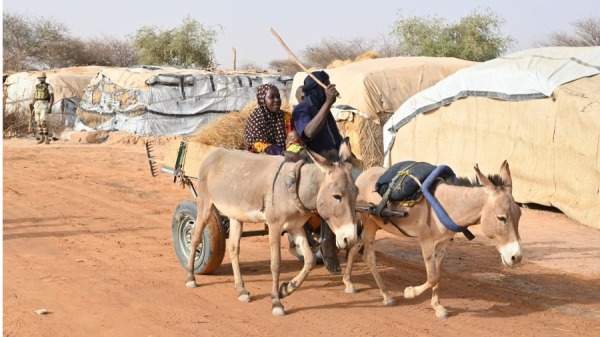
column 87, row 236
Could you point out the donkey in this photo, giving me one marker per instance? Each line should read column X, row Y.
column 491, row 204
column 254, row 188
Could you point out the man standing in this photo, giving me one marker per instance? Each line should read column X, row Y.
column 320, row 133
column 43, row 98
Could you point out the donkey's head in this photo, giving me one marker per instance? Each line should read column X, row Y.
column 336, row 199
column 500, row 215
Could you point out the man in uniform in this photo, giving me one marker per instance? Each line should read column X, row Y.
column 43, row 98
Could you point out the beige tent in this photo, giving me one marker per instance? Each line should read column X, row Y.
column 552, row 144
column 68, row 85
column 374, row 89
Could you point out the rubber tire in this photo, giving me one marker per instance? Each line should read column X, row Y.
column 211, row 250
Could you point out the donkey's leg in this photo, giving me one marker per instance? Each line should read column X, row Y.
column 440, row 310
column 274, row 243
column 235, row 236
column 368, row 238
column 204, row 211
column 350, row 289
column 428, row 252
column 299, row 235
column 433, row 255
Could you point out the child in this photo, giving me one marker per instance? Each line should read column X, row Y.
column 293, row 143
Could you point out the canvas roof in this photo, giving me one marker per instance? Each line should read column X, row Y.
column 382, row 85
column 529, row 74
column 538, row 109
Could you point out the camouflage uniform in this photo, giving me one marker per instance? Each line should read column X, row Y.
column 43, row 98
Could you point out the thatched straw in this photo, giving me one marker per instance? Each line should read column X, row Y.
column 368, row 55
column 228, row 131
column 366, row 138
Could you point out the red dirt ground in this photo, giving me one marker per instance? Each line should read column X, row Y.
column 87, row 236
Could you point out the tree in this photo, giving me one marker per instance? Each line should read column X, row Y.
column 17, row 41
column 475, row 37
column 328, row 50
column 586, row 33
column 109, row 51
column 38, row 43
column 190, row 45
column 285, row 67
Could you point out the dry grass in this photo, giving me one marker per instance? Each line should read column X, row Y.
column 17, row 124
column 368, row 55
column 228, row 131
column 366, row 138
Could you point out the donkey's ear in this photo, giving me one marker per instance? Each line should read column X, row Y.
column 346, row 151
column 483, row 179
column 505, row 175
column 321, row 162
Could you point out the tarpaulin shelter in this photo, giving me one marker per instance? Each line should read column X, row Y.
column 374, row 89
column 165, row 101
column 68, row 85
column 539, row 109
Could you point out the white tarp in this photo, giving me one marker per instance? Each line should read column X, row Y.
column 529, row 74
column 171, row 101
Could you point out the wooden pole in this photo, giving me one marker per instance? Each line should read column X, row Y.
column 234, row 58
column 296, row 59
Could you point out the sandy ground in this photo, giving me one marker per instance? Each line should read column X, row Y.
column 87, row 236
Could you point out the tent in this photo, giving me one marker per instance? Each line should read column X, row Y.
column 539, row 109
column 68, row 85
column 164, row 101
column 374, row 89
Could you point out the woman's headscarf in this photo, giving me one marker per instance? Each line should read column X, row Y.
column 262, row 125
column 313, row 92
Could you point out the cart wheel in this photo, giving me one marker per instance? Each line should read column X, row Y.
column 211, row 250
column 313, row 240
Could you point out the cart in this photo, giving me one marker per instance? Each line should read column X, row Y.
column 210, row 253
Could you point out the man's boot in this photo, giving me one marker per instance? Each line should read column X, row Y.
column 41, row 140
column 47, row 138
column 329, row 250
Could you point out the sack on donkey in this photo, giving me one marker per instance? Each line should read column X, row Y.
column 399, row 177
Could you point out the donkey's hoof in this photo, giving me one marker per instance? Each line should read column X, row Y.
column 244, row 298
column 283, row 290
column 390, row 303
column 191, row 284
column 278, row 311
column 350, row 289
column 409, row 292
column 441, row 314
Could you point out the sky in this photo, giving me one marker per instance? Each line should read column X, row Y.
column 244, row 25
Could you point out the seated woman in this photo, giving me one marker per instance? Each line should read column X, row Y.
column 266, row 127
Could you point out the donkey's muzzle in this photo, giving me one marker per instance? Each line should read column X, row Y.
column 346, row 236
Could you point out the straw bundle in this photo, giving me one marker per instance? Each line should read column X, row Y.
column 368, row 55
column 366, row 138
column 228, row 131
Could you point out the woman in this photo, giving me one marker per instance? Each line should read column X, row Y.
column 267, row 126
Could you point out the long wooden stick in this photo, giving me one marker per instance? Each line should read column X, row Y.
column 296, row 59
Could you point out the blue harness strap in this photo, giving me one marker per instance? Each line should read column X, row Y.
column 445, row 171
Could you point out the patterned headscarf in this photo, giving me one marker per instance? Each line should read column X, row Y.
column 263, row 125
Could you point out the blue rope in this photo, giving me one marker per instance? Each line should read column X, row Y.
column 447, row 172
